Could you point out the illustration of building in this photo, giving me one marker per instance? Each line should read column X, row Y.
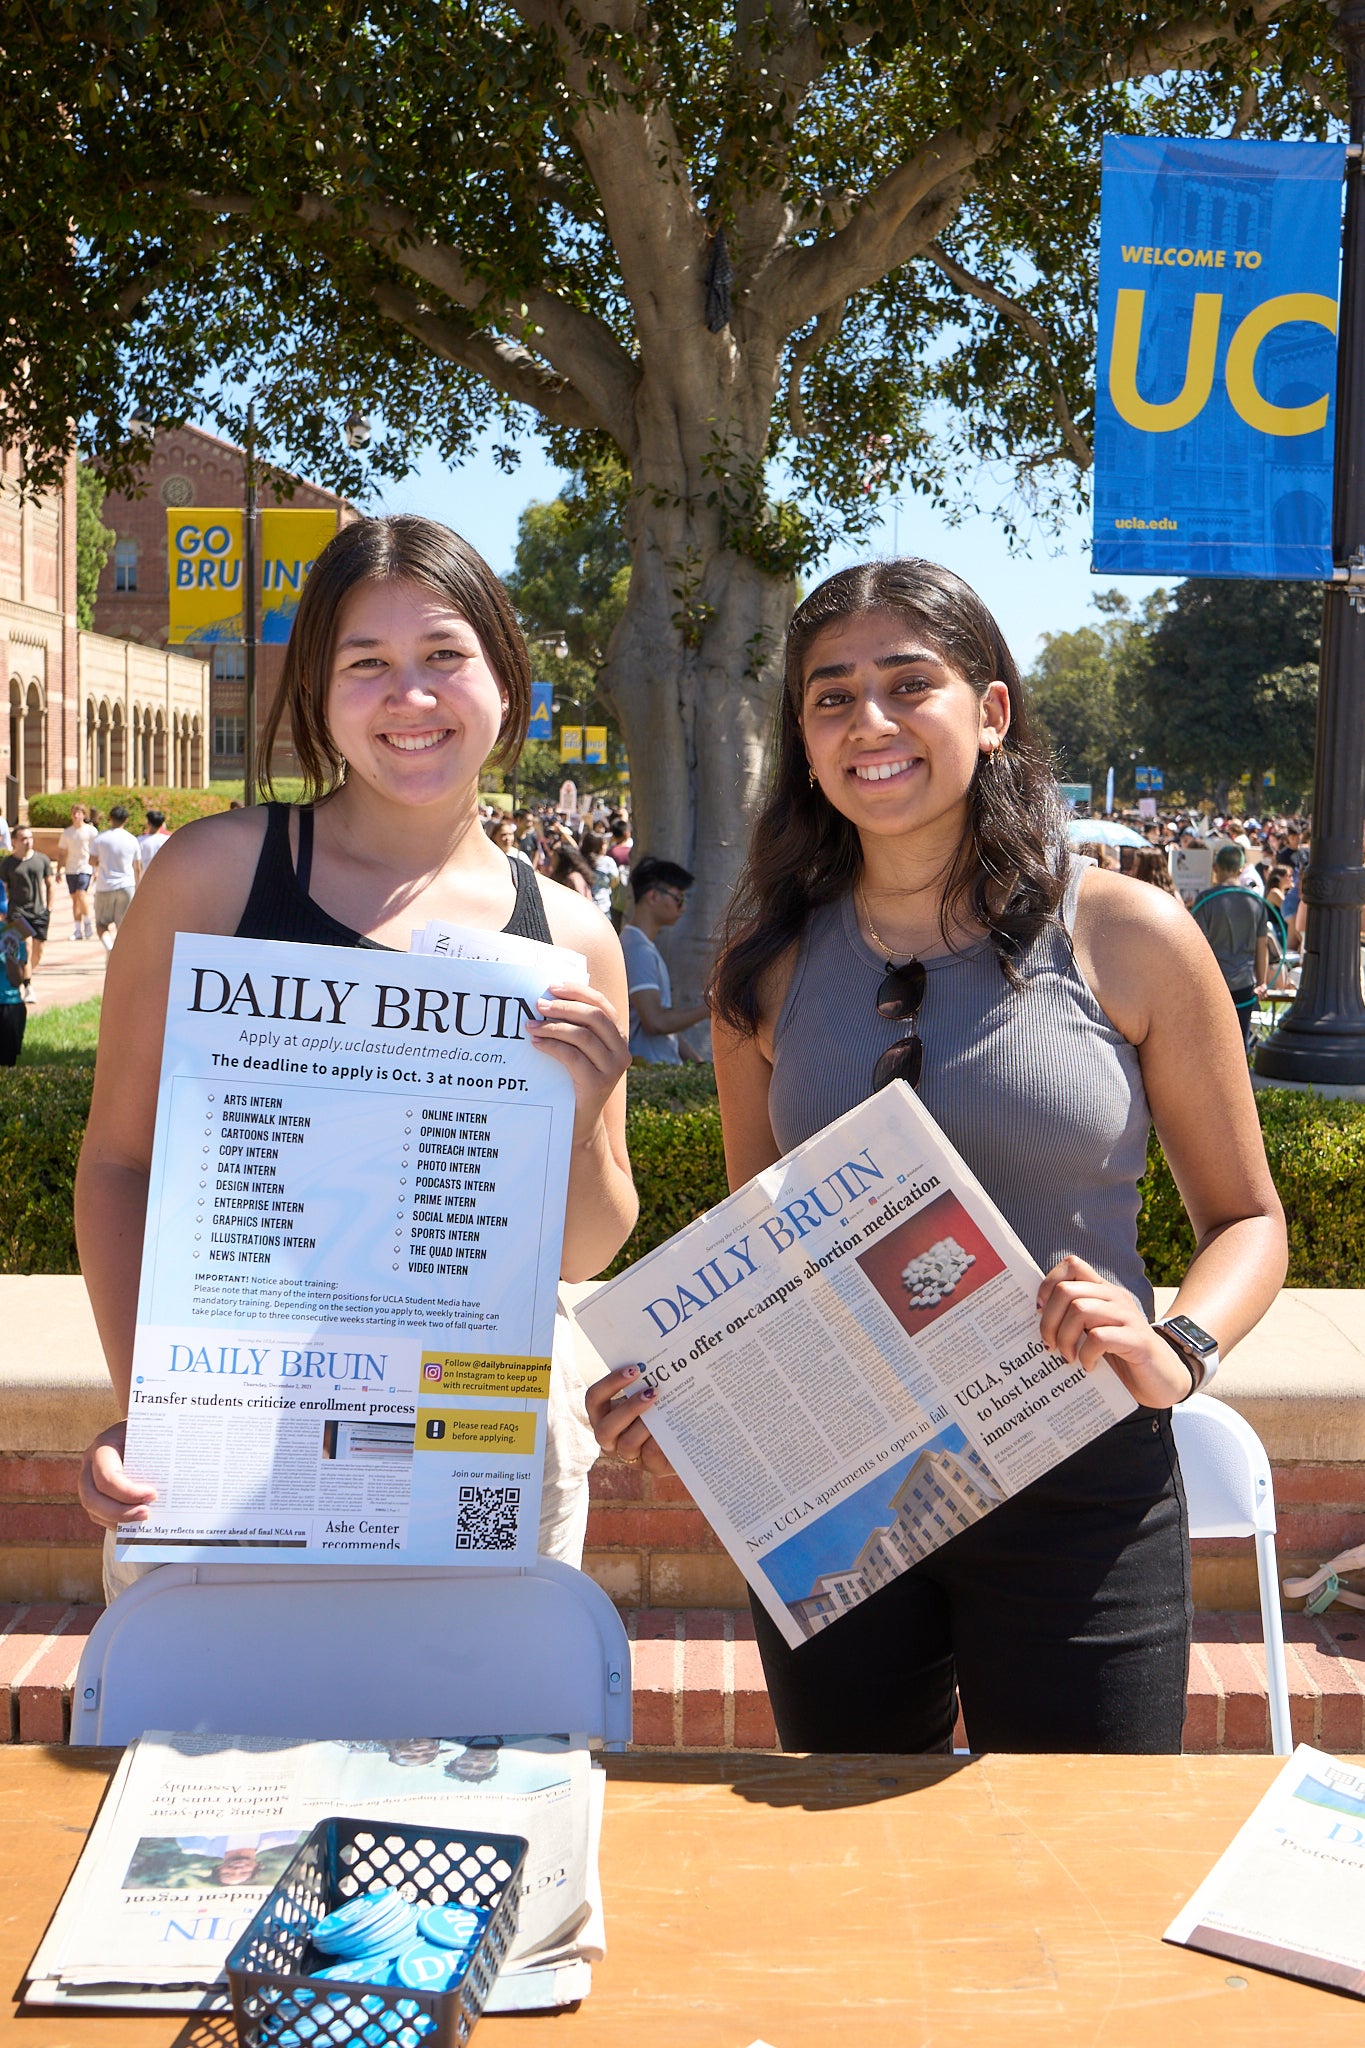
column 190, row 467
column 83, row 708
column 943, row 1493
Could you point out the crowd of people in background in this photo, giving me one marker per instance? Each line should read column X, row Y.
column 1250, row 906
column 592, row 853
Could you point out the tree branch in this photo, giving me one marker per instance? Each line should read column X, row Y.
column 581, row 349
column 1081, row 452
column 633, row 155
column 511, row 370
column 807, row 279
column 809, row 346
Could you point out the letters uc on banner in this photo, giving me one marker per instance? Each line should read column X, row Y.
column 1219, row 268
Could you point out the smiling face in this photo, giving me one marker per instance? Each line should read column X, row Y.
column 413, row 706
column 892, row 731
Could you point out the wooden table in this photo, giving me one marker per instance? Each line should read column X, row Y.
column 875, row 1902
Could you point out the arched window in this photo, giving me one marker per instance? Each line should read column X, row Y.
column 35, row 743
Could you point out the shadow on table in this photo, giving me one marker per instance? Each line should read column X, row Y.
column 815, row 1783
column 207, row 2030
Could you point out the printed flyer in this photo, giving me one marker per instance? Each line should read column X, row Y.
column 351, row 1258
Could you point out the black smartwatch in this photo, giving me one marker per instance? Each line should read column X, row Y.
column 1194, row 1347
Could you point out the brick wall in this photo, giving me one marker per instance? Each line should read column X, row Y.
column 189, row 467
column 649, row 1546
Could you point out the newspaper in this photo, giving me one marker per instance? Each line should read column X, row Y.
column 352, row 1235
column 196, row 1829
column 847, row 1362
column 468, row 942
column 1288, row 1894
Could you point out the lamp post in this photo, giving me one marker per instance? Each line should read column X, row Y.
column 1320, row 1043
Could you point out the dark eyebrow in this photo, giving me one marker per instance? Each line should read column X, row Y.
column 437, row 634
column 836, row 671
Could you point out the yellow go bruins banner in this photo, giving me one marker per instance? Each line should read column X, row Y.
column 204, row 548
column 290, row 544
column 207, row 581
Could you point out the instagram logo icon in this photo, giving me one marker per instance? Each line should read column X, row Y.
column 431, row 1372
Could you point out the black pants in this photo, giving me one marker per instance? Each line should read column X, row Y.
column 13, row 1018
column 1062, row 1618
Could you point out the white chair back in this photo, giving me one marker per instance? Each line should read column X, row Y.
column 318, row 1651
column 1227, row 1473
column 1230, row 1492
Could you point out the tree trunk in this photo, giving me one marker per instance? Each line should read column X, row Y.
column 692, row 674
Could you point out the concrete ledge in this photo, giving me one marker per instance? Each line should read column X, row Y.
column 54, row 1388
column 1299, row 1378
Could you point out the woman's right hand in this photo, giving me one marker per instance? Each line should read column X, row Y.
column 619, row 1425
column 106, row 1492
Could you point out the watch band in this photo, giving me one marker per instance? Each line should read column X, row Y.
column 1200, row 1362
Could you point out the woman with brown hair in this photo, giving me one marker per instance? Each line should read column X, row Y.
column 910, row 911
column 405, row 673
column 1151, row 865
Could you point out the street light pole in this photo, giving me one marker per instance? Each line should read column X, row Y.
column 1321, row 1042
column 249, row 608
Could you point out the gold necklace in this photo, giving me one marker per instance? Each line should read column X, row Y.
column 878, row 941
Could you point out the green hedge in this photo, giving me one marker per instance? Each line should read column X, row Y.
column 42, row 1120
column 179, row 805
column 1316, row 1151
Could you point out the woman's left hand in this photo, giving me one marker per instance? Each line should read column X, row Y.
column 583, row 1032
column 1087, row 1320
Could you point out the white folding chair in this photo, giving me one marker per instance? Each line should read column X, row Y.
column 1230, row 1493
column 318, row 1651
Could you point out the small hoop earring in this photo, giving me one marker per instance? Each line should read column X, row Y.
column 814, row 778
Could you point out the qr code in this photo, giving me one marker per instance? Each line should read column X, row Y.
column 488, row 1518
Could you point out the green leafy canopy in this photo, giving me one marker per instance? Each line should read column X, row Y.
column 462, row 216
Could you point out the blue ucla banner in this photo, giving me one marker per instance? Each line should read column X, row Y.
column 542, row 712
column 1219, row 265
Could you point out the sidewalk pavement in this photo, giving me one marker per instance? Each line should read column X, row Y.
column 72, row 969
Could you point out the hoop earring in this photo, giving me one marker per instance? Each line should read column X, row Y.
column 814, row 778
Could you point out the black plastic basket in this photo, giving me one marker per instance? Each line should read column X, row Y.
column 276, row 2003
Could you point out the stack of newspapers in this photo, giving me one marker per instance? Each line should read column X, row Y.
column 196, row 1829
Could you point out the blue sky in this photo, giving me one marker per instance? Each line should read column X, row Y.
column 1045, row 589
column 833, row 1540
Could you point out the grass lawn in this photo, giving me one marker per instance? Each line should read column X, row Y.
column 63, row 1038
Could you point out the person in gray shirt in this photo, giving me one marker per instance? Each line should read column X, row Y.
column 1236, row 924
column 660, row 889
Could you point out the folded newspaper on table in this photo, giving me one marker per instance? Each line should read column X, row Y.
column 196, row 1829
column 1289, row 1893
column 847, row 1363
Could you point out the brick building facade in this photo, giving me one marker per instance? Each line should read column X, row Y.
column 82, row 708
column 190, row 467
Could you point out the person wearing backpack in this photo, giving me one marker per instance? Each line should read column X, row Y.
column 1237, row 925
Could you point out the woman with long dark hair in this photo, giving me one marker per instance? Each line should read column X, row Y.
column 910, row 910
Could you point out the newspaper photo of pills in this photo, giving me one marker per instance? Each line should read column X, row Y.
column 935, row 1260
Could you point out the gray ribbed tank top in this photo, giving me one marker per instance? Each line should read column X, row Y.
column 1034, row 1086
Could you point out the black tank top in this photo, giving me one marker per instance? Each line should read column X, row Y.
column 279, row 906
